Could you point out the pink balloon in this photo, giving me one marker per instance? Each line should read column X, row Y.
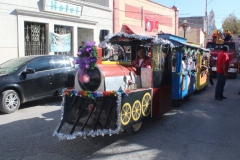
column 86, row 78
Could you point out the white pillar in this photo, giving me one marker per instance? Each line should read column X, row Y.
column 50, row 28
column 74, row 40
column 21, row 37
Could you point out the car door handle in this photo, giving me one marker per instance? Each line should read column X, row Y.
column 50, row 75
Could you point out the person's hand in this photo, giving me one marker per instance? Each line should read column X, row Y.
column 225, row 75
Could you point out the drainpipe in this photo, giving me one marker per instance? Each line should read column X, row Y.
column 176, row 19
column 142, row 22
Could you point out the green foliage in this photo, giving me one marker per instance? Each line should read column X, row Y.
column 232, row 23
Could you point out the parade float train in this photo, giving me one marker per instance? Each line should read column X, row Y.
column 112, row 96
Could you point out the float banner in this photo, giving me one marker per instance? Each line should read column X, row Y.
column 151, row 24
column 60, row 43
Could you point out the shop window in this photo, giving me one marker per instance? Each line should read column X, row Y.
column 100, row 2
column 34, row 38
column 61, row 43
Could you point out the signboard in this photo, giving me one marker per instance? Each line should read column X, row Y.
column 62, row 8
column 60, row 43
column 151, row 24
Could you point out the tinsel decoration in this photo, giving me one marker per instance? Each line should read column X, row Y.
column 91, row 133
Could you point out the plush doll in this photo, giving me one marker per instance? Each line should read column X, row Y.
column 220, row 38
column 227, row 34
column 214, row 35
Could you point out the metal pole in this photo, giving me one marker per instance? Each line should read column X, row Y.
column 206, row 19
column 184, row 32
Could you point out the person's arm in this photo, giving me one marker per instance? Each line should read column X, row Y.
column 224, row 69
column 224, row 65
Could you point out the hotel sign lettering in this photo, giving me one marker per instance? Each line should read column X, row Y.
column 62, row 8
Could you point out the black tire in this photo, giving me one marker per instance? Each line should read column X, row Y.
column 134, row 128
column 10, row 101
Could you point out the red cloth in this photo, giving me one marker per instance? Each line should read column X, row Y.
column 146, row 63
column 221, row 59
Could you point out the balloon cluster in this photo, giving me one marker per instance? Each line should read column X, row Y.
column 87, row 59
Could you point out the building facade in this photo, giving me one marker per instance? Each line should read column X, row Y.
column 34, row 27
column 196, row 33
column 144, row 15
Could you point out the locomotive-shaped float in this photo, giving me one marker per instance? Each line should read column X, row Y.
column 111, row 95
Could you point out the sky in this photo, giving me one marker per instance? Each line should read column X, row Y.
column 189, row 8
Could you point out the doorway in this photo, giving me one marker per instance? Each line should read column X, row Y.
column 85, row 35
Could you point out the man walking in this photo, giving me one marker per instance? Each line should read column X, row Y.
column 222, row 72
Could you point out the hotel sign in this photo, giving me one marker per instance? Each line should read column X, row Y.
column 62, row 8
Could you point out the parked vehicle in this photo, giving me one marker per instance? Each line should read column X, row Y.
column 232, row 53
column 29, row 78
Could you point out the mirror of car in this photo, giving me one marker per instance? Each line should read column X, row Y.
column 28, row 71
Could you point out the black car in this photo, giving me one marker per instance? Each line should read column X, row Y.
column 29, row 78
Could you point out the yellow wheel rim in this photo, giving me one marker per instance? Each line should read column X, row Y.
column 136, row 110
column 125, row 115
column 146, row 102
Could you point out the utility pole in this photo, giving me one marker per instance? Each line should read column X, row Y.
column 206, row 19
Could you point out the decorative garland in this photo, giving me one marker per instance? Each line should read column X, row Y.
column 98, row 132
column 94, row 94
column 87, row 59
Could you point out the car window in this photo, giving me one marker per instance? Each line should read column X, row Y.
column 67, row 62
column 59, row 62
column 13, row 65
column 40, row 64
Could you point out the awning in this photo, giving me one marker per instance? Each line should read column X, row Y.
column 132, row 29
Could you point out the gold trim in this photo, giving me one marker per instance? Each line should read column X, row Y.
column 113, row 62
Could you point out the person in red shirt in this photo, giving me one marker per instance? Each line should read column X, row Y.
column 143, row 60
column 222, row 72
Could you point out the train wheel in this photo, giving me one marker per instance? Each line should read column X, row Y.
column 146, row 101
column 134, row 128
column 136, row 110
column 125, row 114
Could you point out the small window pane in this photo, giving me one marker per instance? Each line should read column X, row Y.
column 40, row 64
column 67, row 62
column 59, row 62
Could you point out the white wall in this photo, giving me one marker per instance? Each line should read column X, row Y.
column 12, row 25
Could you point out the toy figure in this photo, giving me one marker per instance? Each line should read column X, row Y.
column 220, row 38
column 214, row 36
column 227, row 34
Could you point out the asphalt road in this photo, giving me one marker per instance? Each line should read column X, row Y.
column 200, row 129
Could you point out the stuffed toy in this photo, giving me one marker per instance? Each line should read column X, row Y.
column 227, row 34
column 214, row 35
column 220, row 38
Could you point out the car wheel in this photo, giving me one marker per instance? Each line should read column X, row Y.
column 134, row 128
column 10, row 101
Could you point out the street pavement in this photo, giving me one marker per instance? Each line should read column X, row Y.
column 200, row 129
